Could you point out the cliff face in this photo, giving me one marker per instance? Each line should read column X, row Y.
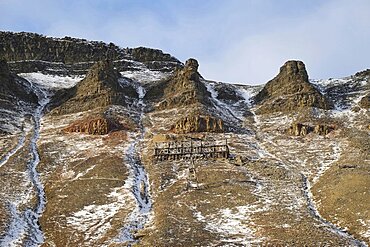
column 94, row 126
column 193, row 124
column 31, row 52
column 299, row 129
column 290, row 90
column 28, row 46
column 101, row 87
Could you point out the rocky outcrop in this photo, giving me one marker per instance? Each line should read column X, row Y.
column 183, row 89
column 102, row 86
column 13, row 86
column 228, row 92
column 299, row 129
column 93, row 126
column 192, row 124
column 363, row 74
column 31, row 52
column 143, row 54
column 365, row 102
column 290, row 90
column 323, row 129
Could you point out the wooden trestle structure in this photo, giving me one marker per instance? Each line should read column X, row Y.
column 191, row 150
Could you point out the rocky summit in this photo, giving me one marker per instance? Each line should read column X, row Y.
column 291, row 90
column 108, row 146
column 184, row 88
column 102, row 86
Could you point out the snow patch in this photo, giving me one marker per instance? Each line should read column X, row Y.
column 366, row 224
column 247, row 94
column 327, row 162
column 234, row 225
column 95, row 220
column 17, row 228
column 51, row 82
column 222, row 107
column 331, row 82
column 145, row 76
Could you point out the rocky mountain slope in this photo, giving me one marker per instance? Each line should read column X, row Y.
column 16, row 97
column 102, row 86
column 81, row 120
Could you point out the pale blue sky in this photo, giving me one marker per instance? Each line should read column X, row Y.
column 240, row 41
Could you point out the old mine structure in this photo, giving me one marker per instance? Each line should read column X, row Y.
column 191, row 150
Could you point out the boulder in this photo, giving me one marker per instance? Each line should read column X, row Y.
column 290, row 90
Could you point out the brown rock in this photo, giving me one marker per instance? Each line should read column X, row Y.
column 365, row 102
column 198, row 124
column 322, row 129
column 93, row 126
column 299, row 129
column 290, row 90
column 115, row 138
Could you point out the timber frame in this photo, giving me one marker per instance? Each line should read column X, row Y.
column 189, row 150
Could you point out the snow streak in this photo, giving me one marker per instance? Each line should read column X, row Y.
column 26, row 224
column 36, row 236
column 306, row 186
column 137, row 182
column 222, row 107
column 7, row 156
column 17, row 228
